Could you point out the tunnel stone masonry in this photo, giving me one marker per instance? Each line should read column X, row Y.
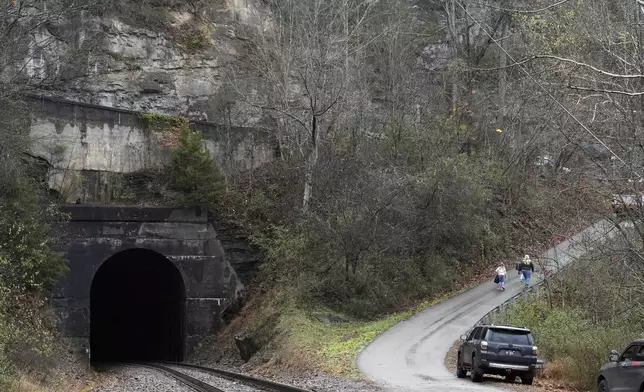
column 96, row 234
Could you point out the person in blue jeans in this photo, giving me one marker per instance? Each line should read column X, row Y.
column 500, row 273
column 526, row 268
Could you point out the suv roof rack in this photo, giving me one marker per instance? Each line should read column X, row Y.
column 504, row 326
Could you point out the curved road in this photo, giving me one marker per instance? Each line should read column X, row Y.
column 411, row 355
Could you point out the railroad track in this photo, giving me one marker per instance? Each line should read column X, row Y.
column 183, row 378
column 169, row 369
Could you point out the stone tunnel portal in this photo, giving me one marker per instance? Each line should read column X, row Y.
column 137, row 309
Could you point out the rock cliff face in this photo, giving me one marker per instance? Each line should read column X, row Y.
column 169, row 56
column 177, row 69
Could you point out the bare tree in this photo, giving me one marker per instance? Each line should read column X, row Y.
column 303, row 62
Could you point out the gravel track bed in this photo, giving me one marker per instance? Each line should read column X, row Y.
column 312, row 381
column 140, row 379
column 324, row 383
column 215, row 381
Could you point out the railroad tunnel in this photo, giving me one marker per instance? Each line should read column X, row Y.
column 137, row 309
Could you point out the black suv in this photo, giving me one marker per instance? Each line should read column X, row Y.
column 498, row 349
column 624, row 372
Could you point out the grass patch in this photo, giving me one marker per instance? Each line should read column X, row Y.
column 305, row 342
column 343, row 343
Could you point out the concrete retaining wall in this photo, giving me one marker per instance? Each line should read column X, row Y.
column 87, row 145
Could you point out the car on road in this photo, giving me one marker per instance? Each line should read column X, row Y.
column 497, row 349
column 625, row 372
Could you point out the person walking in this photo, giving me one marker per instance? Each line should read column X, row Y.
column 526, row 268
column 500, row 273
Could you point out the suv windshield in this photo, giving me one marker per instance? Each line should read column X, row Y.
column 509, row 336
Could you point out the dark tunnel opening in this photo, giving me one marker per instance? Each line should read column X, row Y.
column 137, row 309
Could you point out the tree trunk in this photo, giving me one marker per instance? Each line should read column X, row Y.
column 638, row 22
column 346, row 268
column 308, row 186
column 503, row 75
column 346, row 41
column 454, row 49
column 503, row 78
column 311, row 161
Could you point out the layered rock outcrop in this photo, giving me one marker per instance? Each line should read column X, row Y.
column 176, row 68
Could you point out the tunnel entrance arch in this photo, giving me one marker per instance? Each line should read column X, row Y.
column 137, row 309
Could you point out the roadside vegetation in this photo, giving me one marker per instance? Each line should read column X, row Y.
column 365, row 263
column 595, row 306
column 585, row 312
column 28, row 265
column 297, row 335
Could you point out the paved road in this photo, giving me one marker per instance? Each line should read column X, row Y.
column 411, row 355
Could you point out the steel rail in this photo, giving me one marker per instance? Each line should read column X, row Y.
column 249, row 380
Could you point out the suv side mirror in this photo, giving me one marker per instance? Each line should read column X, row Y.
column 463, row 337
column 614, row 356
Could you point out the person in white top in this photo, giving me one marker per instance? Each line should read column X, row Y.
column 501, row 272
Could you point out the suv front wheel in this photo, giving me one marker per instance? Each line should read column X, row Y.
column 460, row 372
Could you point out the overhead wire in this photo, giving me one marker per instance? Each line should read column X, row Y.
column 546, row 91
